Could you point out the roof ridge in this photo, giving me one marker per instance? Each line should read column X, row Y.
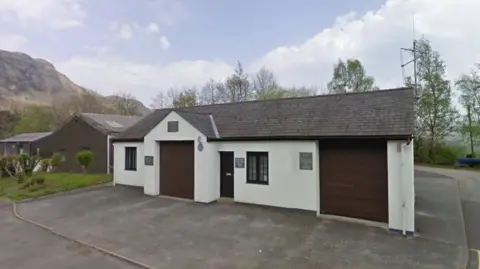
column 190, row 112
column 295, row 98
column 89, row 113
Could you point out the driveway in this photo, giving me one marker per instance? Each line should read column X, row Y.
column 25, row 246
column 469, row 186
column 166, row 233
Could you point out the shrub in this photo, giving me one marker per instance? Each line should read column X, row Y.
column 33, row 188
column 55, row 160
column 446, row 154
column 38, row 180
column 44, row 164
column 84, row 158
column 7, row 165
column 471, row 155
column 21, row 178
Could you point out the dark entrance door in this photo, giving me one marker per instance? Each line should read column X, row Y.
column 226, row 174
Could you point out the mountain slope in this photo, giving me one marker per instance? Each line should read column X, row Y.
column 26, row 80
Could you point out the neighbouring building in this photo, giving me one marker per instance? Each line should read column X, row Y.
column 90, row 132
column 28, row 143
column 345, row 154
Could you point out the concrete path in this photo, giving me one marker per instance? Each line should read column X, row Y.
column 165, row 233
column 469, row 187
column 25, row 246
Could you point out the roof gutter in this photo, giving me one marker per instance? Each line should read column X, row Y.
column 279, row 138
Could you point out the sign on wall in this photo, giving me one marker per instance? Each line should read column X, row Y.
column 306, row 161
column 239, row 162
column 148, row 160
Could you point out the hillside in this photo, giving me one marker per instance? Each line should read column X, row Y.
column 26, row 80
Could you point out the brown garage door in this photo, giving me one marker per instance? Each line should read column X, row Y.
column 177, row 169
column 354, row 179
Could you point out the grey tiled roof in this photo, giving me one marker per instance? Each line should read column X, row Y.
column 200, row 121
column 26, row 137
column 377, row 113
column 109, row 124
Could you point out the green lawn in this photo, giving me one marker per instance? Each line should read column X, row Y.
column 54, row 183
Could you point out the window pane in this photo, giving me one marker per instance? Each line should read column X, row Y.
column 264, row 168
column 252, row 167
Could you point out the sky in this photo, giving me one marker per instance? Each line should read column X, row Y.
column 148, row 46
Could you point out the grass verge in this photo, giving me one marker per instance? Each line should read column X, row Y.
column 54, row 183
column 449, row 166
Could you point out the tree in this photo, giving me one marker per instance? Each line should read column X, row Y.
column 237, row 88
column 125, row 104
column 435, row 112
column 469, row 87
column 185, row 98
column 210, row 93
column 350, row 76
column 265, row 85
column 160, row 101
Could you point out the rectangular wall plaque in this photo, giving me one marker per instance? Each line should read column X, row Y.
column 239, row 162
column 148, row 160
column 306, row 161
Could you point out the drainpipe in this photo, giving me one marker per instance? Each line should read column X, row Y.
column 402, row 187
column 108, row 155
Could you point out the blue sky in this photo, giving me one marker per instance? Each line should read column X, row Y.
column 148, row 46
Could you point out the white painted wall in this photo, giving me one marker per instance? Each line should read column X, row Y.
column 122, row 176
column 288, row 186
column 401, row 186
column 206, row 161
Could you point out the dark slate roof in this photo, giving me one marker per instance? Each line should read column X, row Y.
column 383, row 113
column 27, row 137
column 109, row 124
column 201, row 122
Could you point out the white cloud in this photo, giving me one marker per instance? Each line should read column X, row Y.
column 12, row 42
column 54, row 14
column 152, row 28
column 109, row 74
column 122, row 30
column 168, row 11
column 376, row 39
column 164, row 42
column 125, row 31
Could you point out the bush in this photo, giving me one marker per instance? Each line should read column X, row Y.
column 44, row 164
column 38, row 180
column 84, row 158
column 20, row 178
column 446, row 154
column 33, row 188
column 7, row 165
column 56, row 159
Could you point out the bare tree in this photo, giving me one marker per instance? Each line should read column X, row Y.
column 125, row 104
column 160, row 101
column 210, row 93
